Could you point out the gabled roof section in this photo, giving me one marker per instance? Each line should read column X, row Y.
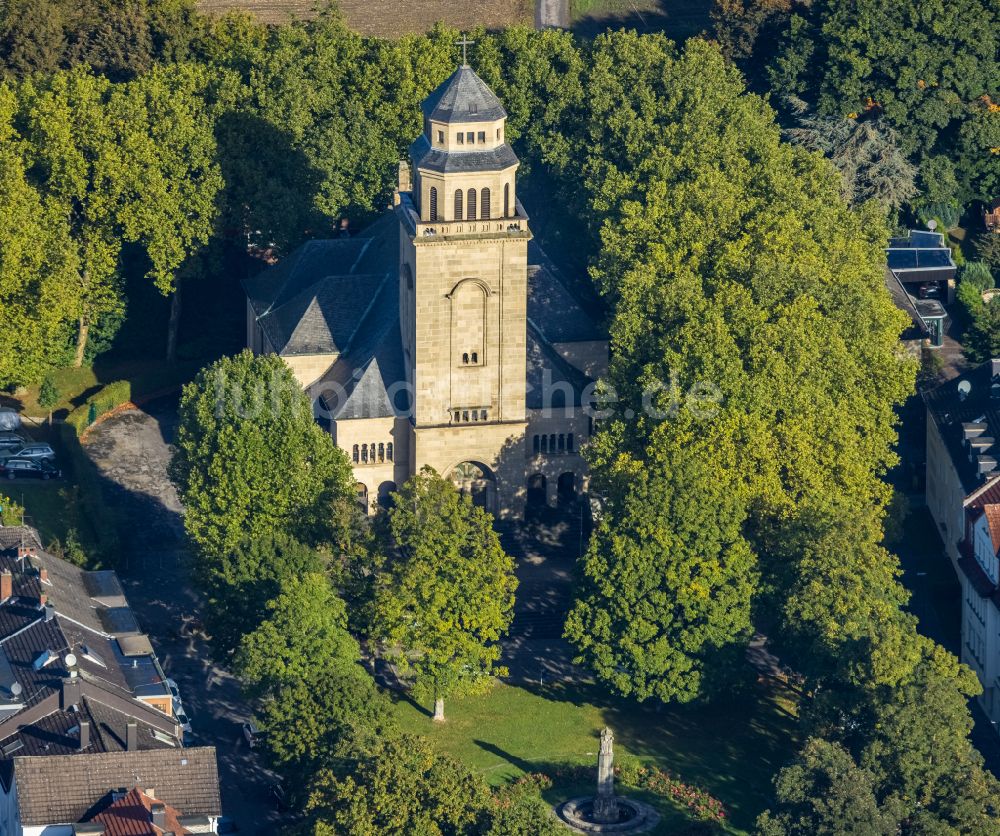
column 312, row 301
column 551, row 381
column 67, row 788
column 557, row 313
column 132, row 815
column 463, row 97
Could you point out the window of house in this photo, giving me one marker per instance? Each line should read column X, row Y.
column 470, row 204
column 460, row 138
column 434, row 204
column 458, row 204
column 364, row 453
column 388, row 452
column 562, row 442
column 484, row 203
column 381, row 452
column 465, row 415
column 552, row 443
column 482, row 416
column 440, row 137
column 506, row 200
column 545, row 444
column 536, row 445
column 465, row 359
column 475, row 356
column 356, row 454
column 470, row 137
column 498, row 133
column 458, row 416
column 482, row 137
column 569, row 442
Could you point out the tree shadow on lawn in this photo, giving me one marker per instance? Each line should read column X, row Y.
column 732, row 748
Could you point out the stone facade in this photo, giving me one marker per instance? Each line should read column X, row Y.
column 478, row 336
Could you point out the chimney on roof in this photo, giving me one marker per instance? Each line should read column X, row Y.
column 131, row 736
column 995, row 367
column 70, row 692
column 50, row 611
column 84, row 734
column 23, row 552
column 6, row 584
column 43, row 575
column 985, row 465
column 158, row 814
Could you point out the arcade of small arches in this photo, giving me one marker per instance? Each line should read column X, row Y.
column 553, row 443
column 372, row 453
column 538, row 491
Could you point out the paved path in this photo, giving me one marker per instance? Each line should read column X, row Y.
column 132, row 452
column 551, row 13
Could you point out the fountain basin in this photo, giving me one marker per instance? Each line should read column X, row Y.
column 634, row 816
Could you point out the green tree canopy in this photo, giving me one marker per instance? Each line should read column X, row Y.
column 251, row 461
column 923, row 64
column 446, row 596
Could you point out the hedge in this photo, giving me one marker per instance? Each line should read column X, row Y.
column 109, row 397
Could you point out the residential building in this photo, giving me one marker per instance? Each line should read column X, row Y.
column 139, row 793
column 442, row 335
column 963, row 497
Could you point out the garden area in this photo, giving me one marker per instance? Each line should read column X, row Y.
column 678, row 759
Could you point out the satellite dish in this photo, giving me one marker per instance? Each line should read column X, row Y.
column 932, row 224
column 16, row 688
column 70, row 660
column 964, row 389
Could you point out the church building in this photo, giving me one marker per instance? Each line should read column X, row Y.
column 442, row 335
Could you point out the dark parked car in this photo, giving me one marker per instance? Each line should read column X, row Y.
column 929, row 290
column 29, row 469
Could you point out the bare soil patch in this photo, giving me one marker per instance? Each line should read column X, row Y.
column 388, row 18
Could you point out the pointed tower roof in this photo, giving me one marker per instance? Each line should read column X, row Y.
column 463, row 97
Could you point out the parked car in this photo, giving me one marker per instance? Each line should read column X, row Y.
column 280, row 798
column 175, row 692
column 252, row 734
column 33, row 451
column 929, row 290
column 29, row 469
column 181, row 717
column 12, row 441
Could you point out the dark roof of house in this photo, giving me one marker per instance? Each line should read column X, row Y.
column 313, row 300
column 72, row 788
column 463, row 97
column 459, row 162
column 57, row 609
column 950, row 409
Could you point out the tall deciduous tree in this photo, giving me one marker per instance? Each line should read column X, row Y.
column 447, row 596
column 251, row 461
column 667, row 580
column 39, row 297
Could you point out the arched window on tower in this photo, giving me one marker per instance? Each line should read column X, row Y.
column 388, row 452
column 506, row 200
column 434, row 204
column 470, row 203
column 484, row 204
column 458, row 204
column 356, row 454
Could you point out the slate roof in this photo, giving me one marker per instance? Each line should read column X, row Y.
column 56, row 609
column 72, row 788
column 550, row 378
column 463, row 97
column 556, row 312
column 450, row 162
column 312, row 301
column 949, row 410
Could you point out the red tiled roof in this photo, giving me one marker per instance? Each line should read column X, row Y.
column 993, row 520
column 131, row 815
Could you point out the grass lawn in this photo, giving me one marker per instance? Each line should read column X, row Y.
column 732, row 751
column 51, row 507
column 680, row 19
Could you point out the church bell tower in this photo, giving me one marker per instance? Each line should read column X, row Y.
column 463, row 287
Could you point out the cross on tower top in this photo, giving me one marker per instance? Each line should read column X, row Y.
column 464, row 42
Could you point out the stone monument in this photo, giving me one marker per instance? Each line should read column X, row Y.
column 606, row 812
column 605, row 803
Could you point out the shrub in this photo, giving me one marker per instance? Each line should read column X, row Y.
column 978, row 274
column 109, row 397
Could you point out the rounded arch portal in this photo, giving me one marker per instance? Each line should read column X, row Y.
column 537, row 488
column 476, row 480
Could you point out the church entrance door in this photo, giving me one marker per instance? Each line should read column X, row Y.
column 477, row 481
